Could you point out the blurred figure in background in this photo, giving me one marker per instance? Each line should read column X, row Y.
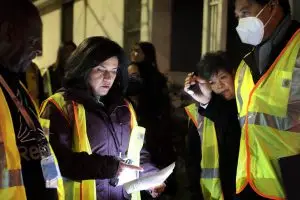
column 54, row 75
column 149, row 92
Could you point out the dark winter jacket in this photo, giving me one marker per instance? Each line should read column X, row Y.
column 108, row 129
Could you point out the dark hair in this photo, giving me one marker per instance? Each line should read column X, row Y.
column 149, row 52
column 155, row 88
column 148, row 67
column 283, row 3
column 60, row 60
column 152, row 77
column 211, row 63
column 68, row 43
column 90, row 53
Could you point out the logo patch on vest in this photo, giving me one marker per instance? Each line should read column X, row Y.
column 286, row 83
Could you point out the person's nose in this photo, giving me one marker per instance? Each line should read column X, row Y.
column 220, row 85
column 107, row 75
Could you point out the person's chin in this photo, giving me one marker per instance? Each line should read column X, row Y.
column 104, row 91
column 227, row 95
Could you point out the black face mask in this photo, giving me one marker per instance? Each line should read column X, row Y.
column 135, row 85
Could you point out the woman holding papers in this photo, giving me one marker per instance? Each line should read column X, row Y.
column 91, row 125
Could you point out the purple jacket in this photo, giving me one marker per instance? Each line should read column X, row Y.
column 108, row 129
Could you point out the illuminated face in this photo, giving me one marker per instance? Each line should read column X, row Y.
column 222, row 83
column 102, row 76
column 137, row 55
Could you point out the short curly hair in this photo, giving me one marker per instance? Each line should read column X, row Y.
column 211, row 63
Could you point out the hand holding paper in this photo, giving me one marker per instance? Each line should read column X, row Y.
column 149, row 181
column 135, row 146
column 124, row 166
column 127, row 172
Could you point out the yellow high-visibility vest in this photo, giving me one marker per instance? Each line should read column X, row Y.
column 269, row 121
column 11, row 182
column 32, row 79
column 210, row 178
column 85, row 189
column 45, row 124
column 192, row 111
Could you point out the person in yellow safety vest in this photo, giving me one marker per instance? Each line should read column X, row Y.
column 92, row 123
column 267, row 94
column 219, row 131
column 28, row 166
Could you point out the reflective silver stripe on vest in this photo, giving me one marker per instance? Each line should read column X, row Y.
column 209, row 173
column 242, row 120
column 280, row 123
column 241, row 77
column 8, row 178
column 200, row 121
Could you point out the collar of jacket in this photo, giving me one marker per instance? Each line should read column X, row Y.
column 264, row 54
column 266, row 48
column 108, row 103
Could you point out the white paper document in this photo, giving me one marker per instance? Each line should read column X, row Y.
column 149, row 181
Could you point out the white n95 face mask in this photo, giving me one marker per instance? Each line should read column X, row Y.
column 250, row 30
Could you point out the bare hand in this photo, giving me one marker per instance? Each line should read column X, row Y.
column 156, row 191
column 123, row 166
column 204, row 94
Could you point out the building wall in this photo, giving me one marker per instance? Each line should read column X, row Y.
column 161, row 32
column 186, row 35
column 90, row 18
column 51, row 38
column 98, row 17
column 295, row 4
column 146, row 20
